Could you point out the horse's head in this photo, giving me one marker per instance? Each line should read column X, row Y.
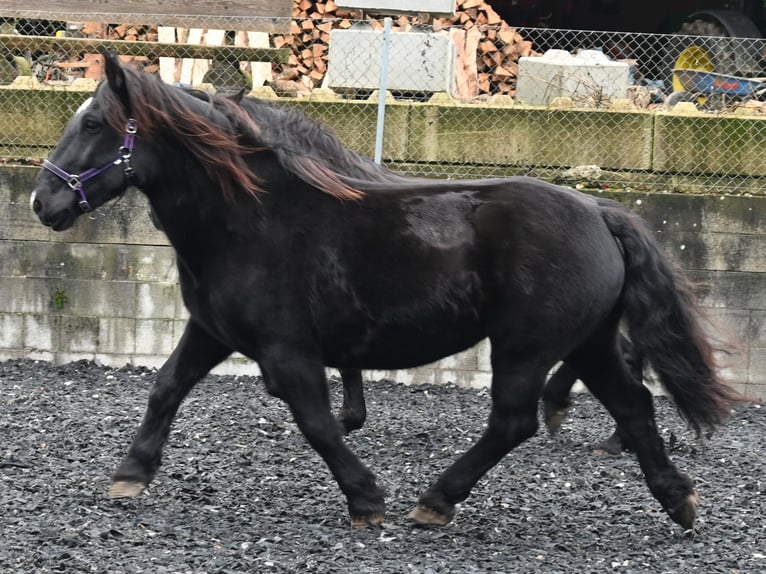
column 92, row 162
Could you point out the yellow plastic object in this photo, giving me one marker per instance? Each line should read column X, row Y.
column 692, row 58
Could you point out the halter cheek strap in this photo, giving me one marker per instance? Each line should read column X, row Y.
column 76, row 181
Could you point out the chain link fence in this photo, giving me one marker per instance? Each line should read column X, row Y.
column 606, row 109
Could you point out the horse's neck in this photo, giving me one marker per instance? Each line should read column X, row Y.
column 183, row 212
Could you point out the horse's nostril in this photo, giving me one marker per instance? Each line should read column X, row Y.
column 37, row 206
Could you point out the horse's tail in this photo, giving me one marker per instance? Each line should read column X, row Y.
column 664, row 323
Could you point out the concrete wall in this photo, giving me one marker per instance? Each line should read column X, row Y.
column 681, row 150
column 106, row 290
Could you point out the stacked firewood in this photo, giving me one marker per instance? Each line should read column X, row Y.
column 128, row 32
column 488, row 48
column 91, row 65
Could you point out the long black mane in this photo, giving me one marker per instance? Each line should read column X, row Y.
column 222, row 132
column 293, row 137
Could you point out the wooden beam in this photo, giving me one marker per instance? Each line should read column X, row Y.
column 247, row 15
column 155, row 49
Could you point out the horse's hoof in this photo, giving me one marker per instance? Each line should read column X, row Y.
column 428, row 517
column 126, row 489
column 608, row 447
column 686, row 513
column 375, row 520
column 554, row 419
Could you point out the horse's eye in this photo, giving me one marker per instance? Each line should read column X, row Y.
column 90, row 124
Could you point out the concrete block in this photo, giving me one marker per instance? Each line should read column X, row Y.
column 728, row 325
column 758, row 367
column 22, row 295
column 467, row 360
column 757, row 329
column 735, row 372
column 41, row 333
column 37, row 355
column 154, row 337
column 357, row 130
column 122, row 221
column 16, row 218
column 11, row 331
column 449, row 134
column 725, row 145
column 483, row 351
column 80, row 261
column 730, row 214
column 590, row 78
column 98, row 298
column 734, row 252
column 718, row 289
column 78, row 334
column 418, row 61
column 116, row 336
column 132, row 262
column 434, row 7
column 46, row 259
column 15, row 258
column 667, row 213
column 739, row 290
column 179, row 325
column 157, row 300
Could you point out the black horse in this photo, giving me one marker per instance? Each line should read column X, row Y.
column 300, row 254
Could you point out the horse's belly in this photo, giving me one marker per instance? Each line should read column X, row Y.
column 400, row 347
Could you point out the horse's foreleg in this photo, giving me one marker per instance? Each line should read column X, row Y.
column 196, row 353
column 605, row 372
column 301, row 383
column 353, row 413
column 513, row 419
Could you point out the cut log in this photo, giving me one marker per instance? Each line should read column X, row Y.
column 187, row 65
column 260, row 71
column 167, row 34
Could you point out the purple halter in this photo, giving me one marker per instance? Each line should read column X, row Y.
column 75, row 181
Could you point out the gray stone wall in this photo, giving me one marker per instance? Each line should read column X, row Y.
column 106, row 290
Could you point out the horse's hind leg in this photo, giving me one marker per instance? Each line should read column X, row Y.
column 556, row 401
column 603, row 370
column 617, row 442
column 196, row 353
column 556, row 404
column 516, row 389
column 353, row 413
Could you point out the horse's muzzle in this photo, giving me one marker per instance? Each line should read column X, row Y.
column 59, row 221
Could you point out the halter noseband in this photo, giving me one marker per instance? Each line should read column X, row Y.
column 76, row 181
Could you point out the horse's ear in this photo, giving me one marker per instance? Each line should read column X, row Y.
column 115, row 76
column 237, row 96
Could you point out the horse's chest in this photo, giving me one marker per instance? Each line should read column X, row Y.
column 217, row 304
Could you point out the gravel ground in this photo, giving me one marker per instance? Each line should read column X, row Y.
column 240, row 490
